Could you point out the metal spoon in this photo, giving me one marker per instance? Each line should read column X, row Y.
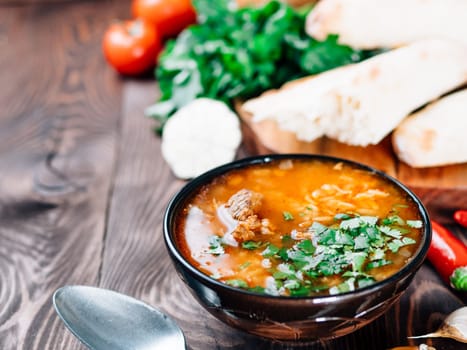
column 103, row 319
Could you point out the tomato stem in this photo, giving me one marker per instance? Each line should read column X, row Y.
column 135, row 28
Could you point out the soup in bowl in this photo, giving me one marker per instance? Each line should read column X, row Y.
column 296, row 247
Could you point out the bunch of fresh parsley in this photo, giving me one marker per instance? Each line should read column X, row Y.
column 239, row 53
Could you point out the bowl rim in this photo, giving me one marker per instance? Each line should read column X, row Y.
column 179, row 198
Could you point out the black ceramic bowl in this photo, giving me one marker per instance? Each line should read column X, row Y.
column 290, row 318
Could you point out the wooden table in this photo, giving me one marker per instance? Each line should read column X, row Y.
column 83, row 189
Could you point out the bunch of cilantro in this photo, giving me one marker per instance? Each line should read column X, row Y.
column 238, row 53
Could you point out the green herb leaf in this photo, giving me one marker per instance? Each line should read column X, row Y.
column 361, row 242
column 252, row 245
column 301, row 290
column 350, row 223
column 377, row 263
column 342, row 216
column 215, row 245
column 287, row 216
column 365, row 282
column 346, row 286
column 394, row 220
column 358, row 260
column 257, row 289
column 414, row 223
column 280, row 275
column 292, row 284
column 306, row 246
column 392, row 232
column 244, row 265
column 270, row 251
column 238, row 283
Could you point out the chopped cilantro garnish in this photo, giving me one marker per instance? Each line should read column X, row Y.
column 361, row 242
column 270, row 251
column 349, row 248
column 368, row 220
column 317, row 228
column 364, row 282
column 408, row 240
column 245, row 265
column 283, row 253
column 292, row 284
column 393, row 220
column 287, row 216
column 389, row 231
column 301, row 291
column 377, row 263
column 350, row 223
column 396, row 244
column 215, row 245
column 345, row 286
column 377, row 254
column 252, row 245
column 358, row 260
column 414, row 223
column 306, row 246
column 237, row 283
column 341, row 216
column 257, row 289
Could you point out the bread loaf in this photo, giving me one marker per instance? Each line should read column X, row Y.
column 436, row 135
column 362, row 103
column 370, row 24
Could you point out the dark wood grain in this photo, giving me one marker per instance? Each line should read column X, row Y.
column 83, row 189
column 58, row 129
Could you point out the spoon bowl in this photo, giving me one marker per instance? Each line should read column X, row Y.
column 104, row 319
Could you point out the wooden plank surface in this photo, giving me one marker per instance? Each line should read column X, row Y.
column 58, row 130
column 83, row 189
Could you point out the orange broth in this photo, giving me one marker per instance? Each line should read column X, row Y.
column 298, row 195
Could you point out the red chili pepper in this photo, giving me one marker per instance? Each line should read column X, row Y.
column 461, row 217
column 448, row 254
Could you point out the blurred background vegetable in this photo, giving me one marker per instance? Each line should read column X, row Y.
column 170, row 17
column 131, row 47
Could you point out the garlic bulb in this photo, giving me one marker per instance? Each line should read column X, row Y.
column 454, row 327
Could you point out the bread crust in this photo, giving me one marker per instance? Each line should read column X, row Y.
column 360, row 104
column 436, row 135
column 370, row 24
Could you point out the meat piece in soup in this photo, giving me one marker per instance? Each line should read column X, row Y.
column 243, row 208
column 299, row 228
column 244, row 204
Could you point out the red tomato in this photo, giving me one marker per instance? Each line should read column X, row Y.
column 131, row 47
column 169, row 16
